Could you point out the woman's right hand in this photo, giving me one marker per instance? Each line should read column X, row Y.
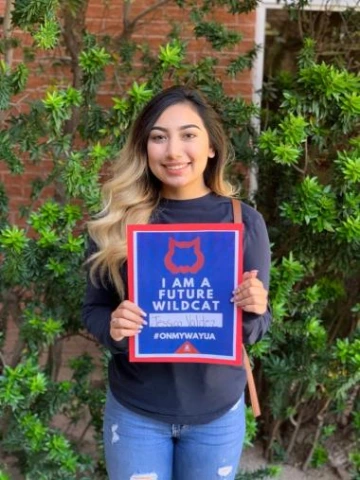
column 127, row 320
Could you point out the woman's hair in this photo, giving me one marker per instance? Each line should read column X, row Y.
column 133, row 192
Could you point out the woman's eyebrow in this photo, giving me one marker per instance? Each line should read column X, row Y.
column 183, row 127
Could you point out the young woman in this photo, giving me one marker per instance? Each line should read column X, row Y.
column 171, row 421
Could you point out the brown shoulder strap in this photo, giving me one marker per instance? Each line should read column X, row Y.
column 236, row 205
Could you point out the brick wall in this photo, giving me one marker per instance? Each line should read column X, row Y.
column 106, row 18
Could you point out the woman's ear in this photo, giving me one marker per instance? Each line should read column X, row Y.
column 211, row 152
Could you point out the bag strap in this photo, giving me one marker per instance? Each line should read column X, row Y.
column 236, row 205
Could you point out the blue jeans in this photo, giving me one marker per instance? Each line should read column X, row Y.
column 140, row 448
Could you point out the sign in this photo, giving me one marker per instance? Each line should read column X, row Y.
column 183, row 277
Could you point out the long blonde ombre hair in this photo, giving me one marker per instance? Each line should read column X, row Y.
column 133, row 192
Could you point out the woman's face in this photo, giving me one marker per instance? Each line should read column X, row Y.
column 178, row 149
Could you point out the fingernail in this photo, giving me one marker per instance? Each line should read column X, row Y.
column 144, row 322
column 232, row 299
column 143, row 313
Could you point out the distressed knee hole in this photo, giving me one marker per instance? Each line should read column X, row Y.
column 115, row 437
column 146, row 476
column 225, row 471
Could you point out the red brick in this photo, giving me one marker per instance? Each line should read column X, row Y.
column 112, row 27
column 115, row 10
column 247, row 18
column 95, row 10
column 14, row 189
column 156, row 28
column 221, row 15
column 95, row 25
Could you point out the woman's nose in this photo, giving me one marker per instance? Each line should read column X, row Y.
column 173, row 148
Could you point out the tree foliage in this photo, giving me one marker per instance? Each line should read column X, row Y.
column 309, row 166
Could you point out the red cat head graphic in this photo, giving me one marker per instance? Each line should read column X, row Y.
column 195, row 266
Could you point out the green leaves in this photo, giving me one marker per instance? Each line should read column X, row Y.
column 51, row 222
column 48, row 34
column 120, row 104
column 80, row 174
column 328, row 80
column 3, row 475
column 349, row 163
column 31, row 12
column 140, row 93
column 233, row 6
column 284, row 276
column 94, row 60
column 34, row 430
column 217, row 35
column 313, row 205
column 22, row 389
column 331, row 95
column 316, row 333
column 7, row 154
column 59, row 104
column 37, row 384
column 38, row 330
column 242, row 62
column 58, row 269
column 73, row 244
column 19, row 78
column 307, row 54
column 293, row 129
column 348, row 352
column 251, row 428
column 13, row 239
column 11, row 82
column 171, row 55
column 272, row 471
column 284, row 143
column 286, row 154
column 351, row 104
column 23, row 382
column 320, row 457
column 47, row 215
column 350, row 229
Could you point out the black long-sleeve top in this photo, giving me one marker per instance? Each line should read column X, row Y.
column 182, row 393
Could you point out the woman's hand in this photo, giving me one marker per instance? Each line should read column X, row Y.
column 127, row 320
column 251, row 295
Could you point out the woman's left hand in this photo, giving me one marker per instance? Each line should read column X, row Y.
column 251, row 295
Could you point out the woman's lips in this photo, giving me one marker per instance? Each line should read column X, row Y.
column 176, row 167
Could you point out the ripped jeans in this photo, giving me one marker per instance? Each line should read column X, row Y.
column 140, row 448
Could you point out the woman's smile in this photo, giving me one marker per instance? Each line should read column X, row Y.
column 176, row 168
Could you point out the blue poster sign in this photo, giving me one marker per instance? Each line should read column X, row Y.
column 183, row 277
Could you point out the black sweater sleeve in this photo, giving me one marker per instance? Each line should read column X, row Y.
column 257, row 257
column 99, row 302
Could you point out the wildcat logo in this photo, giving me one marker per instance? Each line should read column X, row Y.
column 195, row 267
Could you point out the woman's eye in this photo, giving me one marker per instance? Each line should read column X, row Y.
column 189, row 135
column 157, row 138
